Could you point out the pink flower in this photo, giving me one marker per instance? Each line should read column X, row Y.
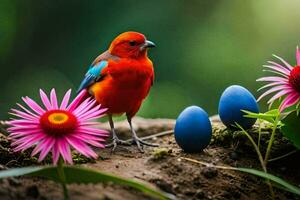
column 57, row 128
column 285, row 82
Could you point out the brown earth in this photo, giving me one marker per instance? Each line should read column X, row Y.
column 164, row 168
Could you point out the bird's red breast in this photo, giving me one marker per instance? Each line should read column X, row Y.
column 127, row 79
column 125, row 85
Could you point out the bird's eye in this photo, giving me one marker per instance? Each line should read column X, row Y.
column 132, row 43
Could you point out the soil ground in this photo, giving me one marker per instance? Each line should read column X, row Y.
column 163, row 168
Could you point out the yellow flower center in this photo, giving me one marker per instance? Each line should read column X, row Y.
column 58, row 118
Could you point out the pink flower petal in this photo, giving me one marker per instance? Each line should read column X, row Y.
column 65, row 100
column 84, row 106
column 45, row 100
column 53, row 99
column 88, row 123
column 64, row 150
column 91, row 112
column 22, row 122
column 27, row 111
column 55, row 153
column 24, row 133
column 22, row 128
column 289, row 101
column 284, row 62
column 274, row 89
column 278, row 68
column 93, row 131
column 96, row 144
column 273, row 79
column 85, row 137
column 23, row 115
column 280, row 94
column 27, row 142
column 270, row 85
column 46, row 148
column 48, row 141
column 277, row 72
column 77, row 100
column 81, row 147
column 33, row 105
column 298, row 56
column 28, row 138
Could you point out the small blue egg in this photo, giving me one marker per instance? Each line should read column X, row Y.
column 193, row 129
column 234, row 99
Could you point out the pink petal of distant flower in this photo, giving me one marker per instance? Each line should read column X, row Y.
column 289, row 101
column 273, row 79
column 282, row 70
column 284, row 62
column 274, row 89
column 280, row 94
column 270, row 85
column 65, row 100
column 278, row 65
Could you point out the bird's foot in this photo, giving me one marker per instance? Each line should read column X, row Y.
column 116, row 141
column 140, row 144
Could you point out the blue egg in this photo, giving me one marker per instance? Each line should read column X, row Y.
column 234, row 99
column 193, row 129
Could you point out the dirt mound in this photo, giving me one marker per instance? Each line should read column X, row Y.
column 162, row 167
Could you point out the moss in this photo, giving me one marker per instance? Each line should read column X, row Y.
column 160, row 153
column 80, row 159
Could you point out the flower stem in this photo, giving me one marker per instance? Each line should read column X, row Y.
column 259, row 134
column 62, row 177
column 263, row 165
column 272, row 138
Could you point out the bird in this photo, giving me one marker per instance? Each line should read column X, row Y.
column 120, row 79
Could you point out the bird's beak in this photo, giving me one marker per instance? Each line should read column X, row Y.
column 147, row 44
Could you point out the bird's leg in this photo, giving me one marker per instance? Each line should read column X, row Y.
column 115, row 138
column 136, row 139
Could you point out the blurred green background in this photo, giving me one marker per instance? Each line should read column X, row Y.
column 202, row 46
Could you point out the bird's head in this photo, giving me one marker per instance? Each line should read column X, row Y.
column 130, row 45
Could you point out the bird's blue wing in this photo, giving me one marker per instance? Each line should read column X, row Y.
column 92, row 75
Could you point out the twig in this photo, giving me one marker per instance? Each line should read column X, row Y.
column 283, row 156
column 164, row 133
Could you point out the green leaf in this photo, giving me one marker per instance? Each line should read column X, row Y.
column 279, row 181
column 19, row 171
column 291, row 128
column 82, row 175
column 269, row 116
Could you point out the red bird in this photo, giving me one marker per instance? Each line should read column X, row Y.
column 120, row 79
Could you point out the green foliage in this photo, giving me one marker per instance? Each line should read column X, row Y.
column 269, row 116
column 291, row 128
column 75, row 174
column 279, row 181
